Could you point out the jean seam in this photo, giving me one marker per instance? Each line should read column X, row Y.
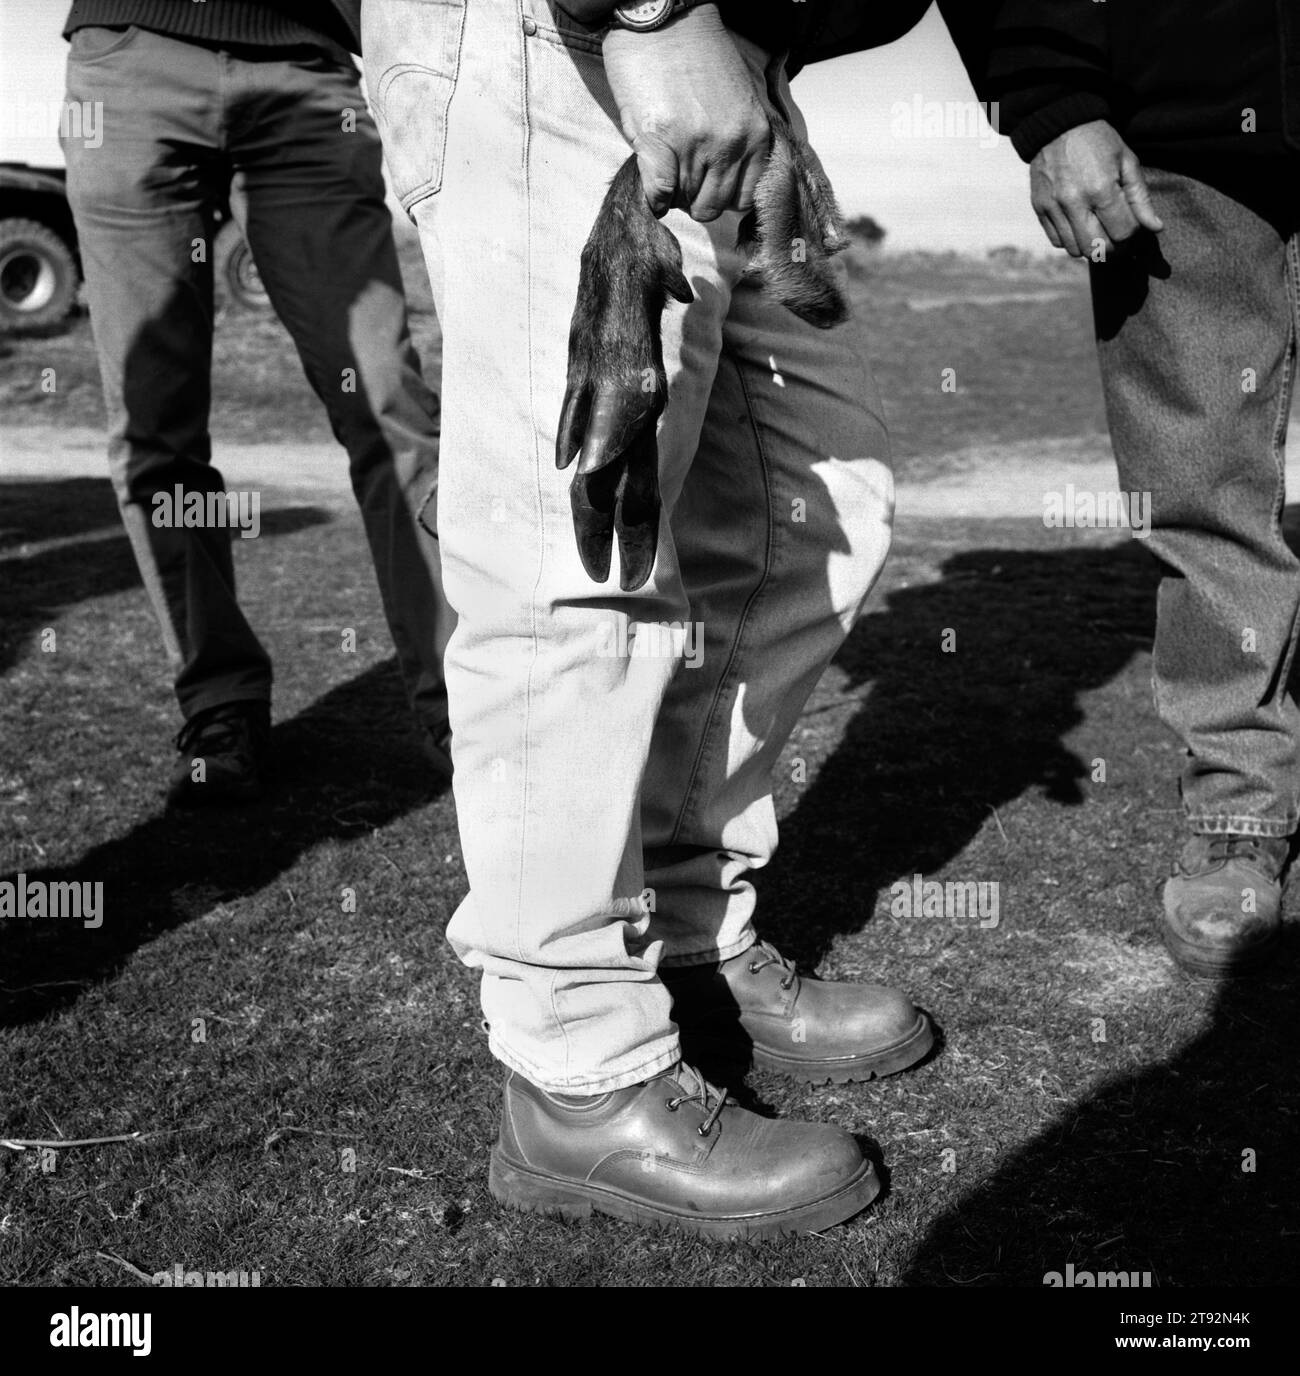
column 644, row 1070
column 540, row 507
column 572, row 42
column 1278, row 444
column 729, row 674
column 453, row 48
column 709, row 955
column 127, row 40
column 1279, row 436
column 561, row 31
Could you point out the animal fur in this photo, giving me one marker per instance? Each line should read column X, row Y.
column 617, row 387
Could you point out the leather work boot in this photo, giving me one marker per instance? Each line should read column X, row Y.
column 756, row 1009
column 1223, row 903
column 228, row 748
column 674, row 1152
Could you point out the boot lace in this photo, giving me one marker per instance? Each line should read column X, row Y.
column 1268, row 854
column 707, row 1096
column 1230, row 847
column 769, row 955
column 219, row 736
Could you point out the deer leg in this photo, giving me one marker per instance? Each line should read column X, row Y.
column 794, row 230
column 617, row 387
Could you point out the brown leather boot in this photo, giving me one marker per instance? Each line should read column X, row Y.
column 1223, row 903
column 674, row 1152
column 756, row 1009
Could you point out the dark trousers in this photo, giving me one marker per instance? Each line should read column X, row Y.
column 180, row 120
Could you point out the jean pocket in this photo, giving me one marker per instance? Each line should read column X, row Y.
column 95, row 41
column 411, row 100
column 546, row 19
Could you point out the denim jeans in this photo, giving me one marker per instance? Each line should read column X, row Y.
column 1197, row 337
column 180, row 119
column 599, row 752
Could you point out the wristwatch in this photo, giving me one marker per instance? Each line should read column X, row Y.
column 646, row 15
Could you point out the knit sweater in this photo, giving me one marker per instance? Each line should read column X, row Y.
column 264, row 23
column 1184, row 81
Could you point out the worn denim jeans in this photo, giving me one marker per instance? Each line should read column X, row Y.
column 599, row 752
column 180, row 119
column 1197, row 339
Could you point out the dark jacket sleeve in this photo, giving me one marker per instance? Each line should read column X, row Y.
column 971, row 25
column 839, row 27
column 1048, row 69
column 350, row 12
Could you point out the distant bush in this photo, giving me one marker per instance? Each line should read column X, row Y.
column 1009, row 256
column 867, row 230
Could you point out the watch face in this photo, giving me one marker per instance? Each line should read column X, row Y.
column 646, row 14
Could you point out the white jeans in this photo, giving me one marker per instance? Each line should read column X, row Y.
column 593, row 762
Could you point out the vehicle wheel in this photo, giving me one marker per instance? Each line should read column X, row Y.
column 38, row 275
column 238, row 280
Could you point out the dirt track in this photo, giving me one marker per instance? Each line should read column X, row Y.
column 1008, row 480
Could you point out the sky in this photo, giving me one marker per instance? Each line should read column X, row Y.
column 934, row 191
column 933, row 182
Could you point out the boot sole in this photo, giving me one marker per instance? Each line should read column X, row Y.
column 519, row 1187
column 848, row 1069
column 1205, row 963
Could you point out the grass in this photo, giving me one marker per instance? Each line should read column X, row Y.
column 315, row 1079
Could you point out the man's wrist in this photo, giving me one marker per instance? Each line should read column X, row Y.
column 645, row 16
column 598, row 13
column 1033, row 132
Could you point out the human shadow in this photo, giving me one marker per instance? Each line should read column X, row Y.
column 34, row 510
column 1178, row 1174
column 1181, row 1174
column 85, row 551
column 347, row 764
column 945, row 738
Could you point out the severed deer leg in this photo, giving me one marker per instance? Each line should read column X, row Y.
column 617, row 387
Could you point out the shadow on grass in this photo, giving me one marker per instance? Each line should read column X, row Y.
column 93, row 557
column 56, row 509
column 945, row 738
column 1144, row 1174
column 1184, row 1171
column 347, row 765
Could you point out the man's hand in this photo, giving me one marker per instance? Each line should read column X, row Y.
column 690, row 109
column 1088, row 190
